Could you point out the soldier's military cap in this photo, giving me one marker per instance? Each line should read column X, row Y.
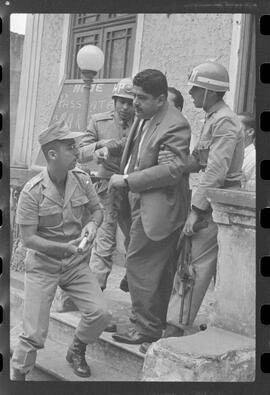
column 58, row 131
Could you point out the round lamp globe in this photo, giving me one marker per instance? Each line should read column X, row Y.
column 90, row 57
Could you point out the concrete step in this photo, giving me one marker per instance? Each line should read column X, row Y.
column 51, row 365
column 122, row 362
column 212, row 355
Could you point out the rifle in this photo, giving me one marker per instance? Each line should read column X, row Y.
column 185, row 269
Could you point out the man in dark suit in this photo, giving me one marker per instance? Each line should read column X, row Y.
column 158, row 197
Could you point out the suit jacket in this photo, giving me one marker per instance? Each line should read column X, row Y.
column 163, row 189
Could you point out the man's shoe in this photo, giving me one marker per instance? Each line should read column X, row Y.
column 124, row 284
column 173, row 331
column 76, row 358
column 133, row 337
column 110, row 328
column 16, row 375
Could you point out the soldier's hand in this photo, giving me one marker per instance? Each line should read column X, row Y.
column 116, row 181
column 71, row 248
column 165, row 157
column 102, row 143
column 101, row 154
column 90, row 230
column 191, row 220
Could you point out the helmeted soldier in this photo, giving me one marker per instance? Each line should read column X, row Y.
column 218, row 155
column 56, row 210
column 109, row 126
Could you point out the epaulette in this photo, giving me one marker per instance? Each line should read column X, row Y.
column 34, row 181
column 78, row 170
column 103, row 116
column 83, row 178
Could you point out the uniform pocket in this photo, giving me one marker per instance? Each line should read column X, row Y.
column 78, row 205
column 50, row 216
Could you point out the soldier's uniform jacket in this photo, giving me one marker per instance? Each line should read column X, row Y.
column 219, row 153
column 105, row 125
column 58, row 219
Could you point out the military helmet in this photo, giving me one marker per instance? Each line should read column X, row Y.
column 210, row 75
column 124, row 89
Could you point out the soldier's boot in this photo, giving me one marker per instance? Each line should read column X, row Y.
column 16, row 375
column 76, row 358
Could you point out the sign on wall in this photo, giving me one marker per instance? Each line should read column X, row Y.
column 69, row 106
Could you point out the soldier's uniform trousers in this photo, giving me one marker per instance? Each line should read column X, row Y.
column 204, row 252
column 41, row 279
column 105, row 243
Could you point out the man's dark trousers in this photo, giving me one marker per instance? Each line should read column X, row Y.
column 151, row 266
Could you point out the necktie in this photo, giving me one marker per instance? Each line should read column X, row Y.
column 135, row 149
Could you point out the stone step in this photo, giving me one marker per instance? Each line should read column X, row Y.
column 51, row 364
column 124, row 358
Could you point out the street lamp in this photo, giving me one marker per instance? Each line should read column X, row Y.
column 90, row 60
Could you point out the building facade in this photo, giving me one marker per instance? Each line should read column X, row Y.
column 172, row 43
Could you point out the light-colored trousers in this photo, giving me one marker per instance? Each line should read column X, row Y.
column 204, row 259
column 105, row 242
column 40, row 287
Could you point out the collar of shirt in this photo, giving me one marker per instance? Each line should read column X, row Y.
column 52, row 192
column 215, row 107
column 119, row 121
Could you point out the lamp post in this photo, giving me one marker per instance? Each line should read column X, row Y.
column 90, row 60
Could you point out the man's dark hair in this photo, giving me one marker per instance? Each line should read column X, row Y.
column 248, row 119
column 178, row 99
column 152, row 81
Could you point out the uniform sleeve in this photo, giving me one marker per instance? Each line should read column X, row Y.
column 94, row 203
column 27, row 209
column 221, row 151
column 87, row 145
column 116, row 147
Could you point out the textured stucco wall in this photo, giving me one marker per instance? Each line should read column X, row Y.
column 173, row 44
column 16, row 53
column 235, row 289
column 48, row 84
column 177, row 43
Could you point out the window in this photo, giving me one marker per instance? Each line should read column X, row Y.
column 113, row 33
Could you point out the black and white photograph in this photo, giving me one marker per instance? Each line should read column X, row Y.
column 133, row 197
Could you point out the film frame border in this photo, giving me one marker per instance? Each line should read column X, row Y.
column 260, row 9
